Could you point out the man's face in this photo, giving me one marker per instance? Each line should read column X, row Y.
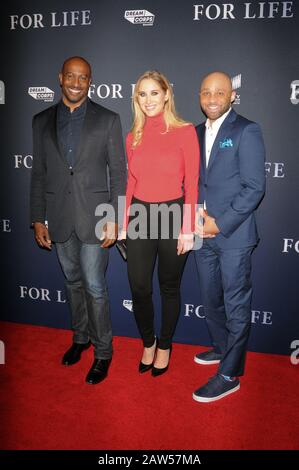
column 75, row 81
column 216, row 95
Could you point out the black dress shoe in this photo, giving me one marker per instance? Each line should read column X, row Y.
column 98, row 371
column 156, row 371
column 73, row 354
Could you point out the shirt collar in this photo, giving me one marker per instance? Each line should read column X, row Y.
column 80, row 110
column 216, row 124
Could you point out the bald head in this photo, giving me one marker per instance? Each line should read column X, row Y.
column 220, row 79
column 216, row 95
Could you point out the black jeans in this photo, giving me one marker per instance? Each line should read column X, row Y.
column 141, row 257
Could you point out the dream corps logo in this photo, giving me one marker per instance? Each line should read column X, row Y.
column 236, row 84
column 294, row 98
column 41, row 93
column 144, row 17
column 128, row 304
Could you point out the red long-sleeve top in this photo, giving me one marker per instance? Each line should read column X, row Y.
column 164, row 167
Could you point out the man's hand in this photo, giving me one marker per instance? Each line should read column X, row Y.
column 185, row 243
column 207, row 229
column 109, row 234
column 41, row 234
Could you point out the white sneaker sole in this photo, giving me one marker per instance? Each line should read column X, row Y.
column 205, row 363
column 207, row 400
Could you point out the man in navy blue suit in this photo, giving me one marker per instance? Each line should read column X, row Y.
column 232, row 184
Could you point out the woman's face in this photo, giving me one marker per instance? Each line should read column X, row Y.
column 151, row 97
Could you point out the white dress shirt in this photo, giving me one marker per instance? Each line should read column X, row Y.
column 211, row 133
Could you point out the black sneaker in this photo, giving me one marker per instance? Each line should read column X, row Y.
column 216, row 388
column 208, row 357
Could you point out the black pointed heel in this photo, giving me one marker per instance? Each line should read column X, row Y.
column 158, row 371
column 146, row 367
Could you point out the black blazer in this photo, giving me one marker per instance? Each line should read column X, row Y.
column 66, row 198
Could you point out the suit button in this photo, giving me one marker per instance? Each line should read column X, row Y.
column 205, row 185
column 70, row 192
column 71, row 173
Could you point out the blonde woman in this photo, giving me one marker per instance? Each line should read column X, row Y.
column 163, row 169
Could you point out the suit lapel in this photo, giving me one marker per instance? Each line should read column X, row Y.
column 221, row 135
column 202, row 144
column 53, row 132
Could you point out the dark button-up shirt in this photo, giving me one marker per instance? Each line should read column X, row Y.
column 69, row 127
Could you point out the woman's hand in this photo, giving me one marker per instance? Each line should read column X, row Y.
column 185, row 243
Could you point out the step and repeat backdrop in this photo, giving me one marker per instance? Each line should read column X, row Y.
column 256, row 43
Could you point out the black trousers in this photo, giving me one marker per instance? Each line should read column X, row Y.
column 142, row 253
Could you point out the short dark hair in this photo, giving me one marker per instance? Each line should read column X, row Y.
column 76, row 57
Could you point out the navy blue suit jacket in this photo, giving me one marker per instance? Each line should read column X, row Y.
column 233, row 184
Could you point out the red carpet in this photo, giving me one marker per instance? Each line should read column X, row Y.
column 47, row 406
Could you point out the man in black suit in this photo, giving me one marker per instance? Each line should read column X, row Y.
column 74, row 142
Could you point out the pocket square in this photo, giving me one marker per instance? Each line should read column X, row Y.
column 226, row 143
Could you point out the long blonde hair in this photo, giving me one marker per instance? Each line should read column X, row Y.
column 170, row 115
